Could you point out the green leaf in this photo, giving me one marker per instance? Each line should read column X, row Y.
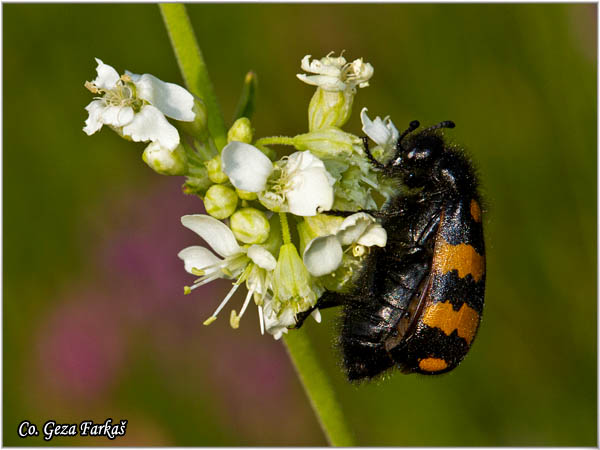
column 246, row 104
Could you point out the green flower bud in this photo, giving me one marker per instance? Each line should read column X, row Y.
column 220, row 201
column 241, row 131
column 198, row 127
column 250, row 226
column 329, row 108
column 328, row 142
column 164, row 161
column 245, row 195
column 215, row 174
column 291, row 282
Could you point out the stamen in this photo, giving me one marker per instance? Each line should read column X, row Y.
column 261, row 320
column 198, row 272
column 206, row 280
column 234, row 320
column 358, row 250
column 187, row 290
column 91, row 87
column 210, row 320
column 246, row 302
column 226, row 299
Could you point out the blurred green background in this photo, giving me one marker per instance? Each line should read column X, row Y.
column 95, row 322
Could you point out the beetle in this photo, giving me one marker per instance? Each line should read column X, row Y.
column 417, row 303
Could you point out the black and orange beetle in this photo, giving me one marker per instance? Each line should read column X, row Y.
column 418, row 302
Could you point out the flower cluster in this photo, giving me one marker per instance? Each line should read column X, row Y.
column 267, row 225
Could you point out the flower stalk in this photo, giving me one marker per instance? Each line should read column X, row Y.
column 193, row 67
column 319, row 389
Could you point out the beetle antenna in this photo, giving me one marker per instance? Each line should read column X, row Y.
column 411, row 127
column 444, row 124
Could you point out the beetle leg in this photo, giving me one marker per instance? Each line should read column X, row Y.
column 327, row 300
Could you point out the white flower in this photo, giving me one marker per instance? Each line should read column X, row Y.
column 382, row 132
column 254, row 264
column 334, row 74
column 299, row 183
column 279, row 324
column 323, row 255
column 136, row 105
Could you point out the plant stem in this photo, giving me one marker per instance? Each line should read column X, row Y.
column 192, row 66
column 317, row 385
column 319, row 389
column 275, row 140
column 285, row 229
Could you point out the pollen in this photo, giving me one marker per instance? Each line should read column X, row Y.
column 234, row 320
column 210, row 320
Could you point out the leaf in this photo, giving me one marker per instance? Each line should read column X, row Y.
column 245, row 106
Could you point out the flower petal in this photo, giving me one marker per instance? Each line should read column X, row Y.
column 214, row 232
column 383, row 133
column 150, row 125
column 316, row 314
column 323, row 255
column 197, row 257
column 117, row 116
column 302, row 161
column 278, row 324
column 172, row 100
column 312, row 192
column 107, row 76
column 353, row 227
column 262, row 257
column 325, row 82
column 246, row 166
column 375, row 234
column 94, row 121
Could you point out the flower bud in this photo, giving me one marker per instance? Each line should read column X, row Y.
column 241, row 131
column 164, row 161
column 245, row 195
column 329, row 109
column 292, row 282
column 198, row 127
column 220, row 201
column 215, row 173
column 327, row 142
column 250, row 226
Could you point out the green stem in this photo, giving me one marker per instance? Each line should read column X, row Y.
column 192, row 66
column 285, row 229
column 275, row 140
column 319, row 389
column 317, row 385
